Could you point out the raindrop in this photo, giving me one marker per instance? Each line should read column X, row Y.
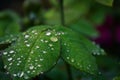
column 14, row 75
column 50, row 45
column 39, row 65
column 54, row 39
column 41, row 59
column 5, row 66
column 18, row 58
column 11, row 51
column 5, row 53
column 28, row 71
column 22, row 73
column 10, row 64
column 68, row 57
column 26, row 36
column 52, row 48
column 44, row 52
column 72, row 60
column 36, row 33
column 9, row 59
column 37, row 47
column 28, row 45
column 31, row 67
column 46, row 41
column 48, row 33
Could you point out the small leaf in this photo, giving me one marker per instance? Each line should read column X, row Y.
column 35, row 52
column 85, row 27
column 106, row 2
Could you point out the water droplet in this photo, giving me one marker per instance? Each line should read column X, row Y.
column 5, row 66
column 18, row 64
column 11, row 51
column 68, row 57
column 48, row 33
column 18, row 58
column 33, row 31
column 22, row 73
column 36, row 33
column 44, row 52
column 72, row 60
column 28, row 45
column 50, row 45
column 31, row 67
column 14, row 75
column 5, row 53
column 37, row 47
column 39, row 65
column 28, row 71
column 9, row 59
column 10, row 64
column 26, row 36
column 41, row 59
column 42, row 40
column 46, row 41
column 41, row 72
column 54, row 39
column 52, row 48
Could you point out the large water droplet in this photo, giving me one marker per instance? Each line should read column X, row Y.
column 9, row 59
column 54, row 39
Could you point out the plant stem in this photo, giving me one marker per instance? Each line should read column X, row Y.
column 61, row 3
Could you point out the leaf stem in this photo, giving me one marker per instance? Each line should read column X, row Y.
column 61, row 4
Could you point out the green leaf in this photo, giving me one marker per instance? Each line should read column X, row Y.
column 36, row 51
column 85, row 27
column 76, row 54
column 106, row 2
column 9, row 25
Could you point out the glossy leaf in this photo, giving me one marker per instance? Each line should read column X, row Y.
column 35, row 52
column 84, row 27
column 106, row 2
column 76, row 54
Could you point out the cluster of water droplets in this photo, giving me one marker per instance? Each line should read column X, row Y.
column 98, row 50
